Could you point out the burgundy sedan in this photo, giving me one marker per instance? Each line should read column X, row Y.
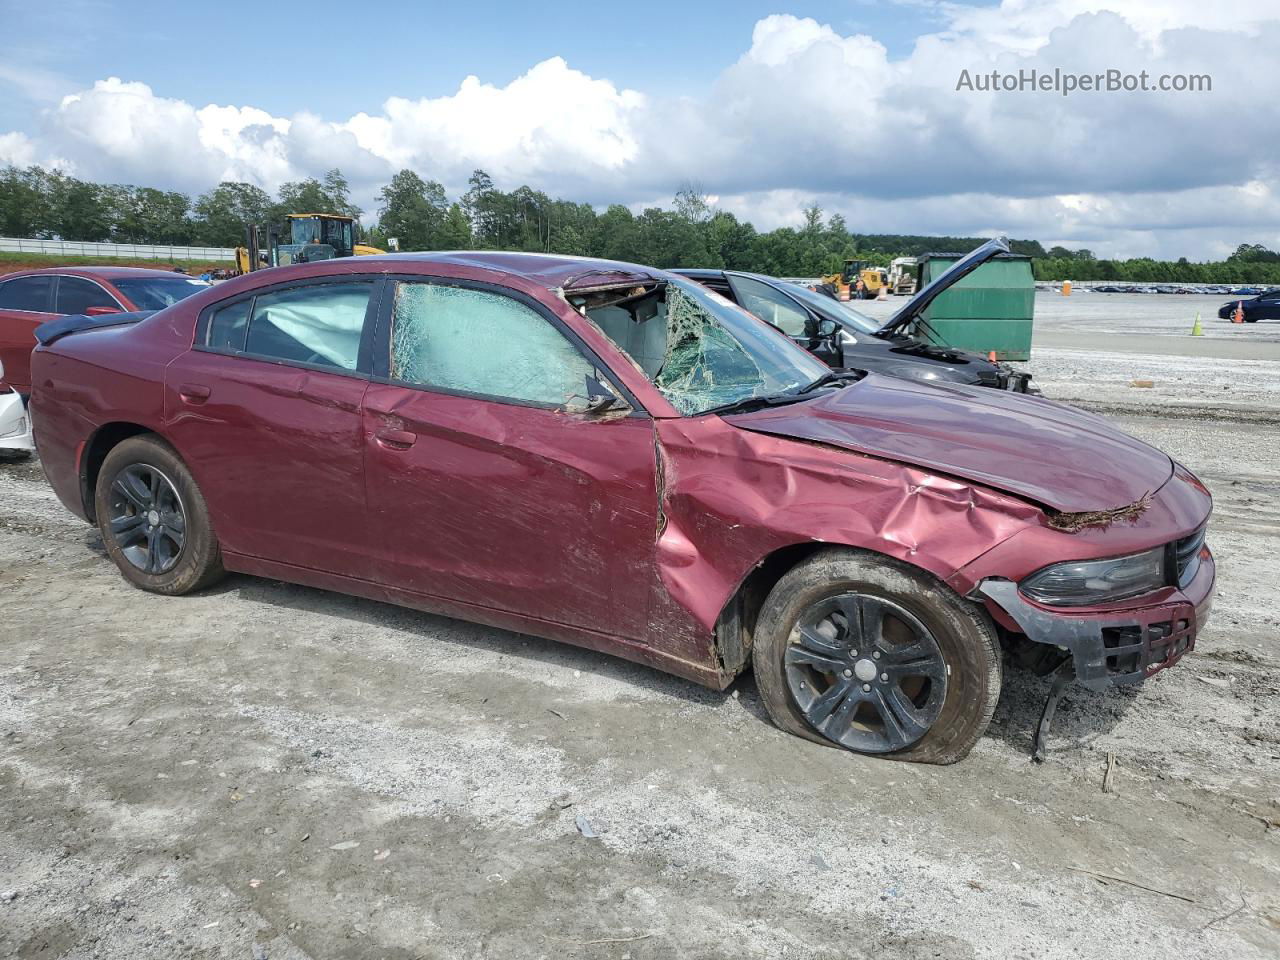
column 29, row 298
column 614, row 456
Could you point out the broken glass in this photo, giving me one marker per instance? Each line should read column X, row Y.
column 473, row 341
column 700, row 350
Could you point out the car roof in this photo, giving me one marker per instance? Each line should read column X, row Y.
column 705, row 273
column 100, row 273
column 551, row 270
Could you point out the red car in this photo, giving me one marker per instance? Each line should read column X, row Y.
column 614, row 456
column 29, row 298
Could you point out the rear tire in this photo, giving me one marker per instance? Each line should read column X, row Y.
column 885, row 658
column 153, row 519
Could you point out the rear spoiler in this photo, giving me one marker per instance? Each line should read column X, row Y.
column 46, row 333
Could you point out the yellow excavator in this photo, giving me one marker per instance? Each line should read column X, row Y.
column 858, row 280
column 304, row 237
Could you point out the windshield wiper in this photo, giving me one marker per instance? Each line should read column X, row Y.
column 747, row 404
column 835, row 376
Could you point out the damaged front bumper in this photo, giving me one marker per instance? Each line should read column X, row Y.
column 15, row 424
column 1115, row 646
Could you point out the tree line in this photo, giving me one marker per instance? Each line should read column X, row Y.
column 418, row 212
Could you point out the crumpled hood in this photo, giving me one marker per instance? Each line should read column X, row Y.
column 1046, row 452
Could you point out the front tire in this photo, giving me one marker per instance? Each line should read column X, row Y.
column 153, row 519
column 858, row 650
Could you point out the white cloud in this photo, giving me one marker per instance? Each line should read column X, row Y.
column 17, row 149
column 804, row 113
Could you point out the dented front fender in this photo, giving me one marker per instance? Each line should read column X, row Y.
column 729, row 498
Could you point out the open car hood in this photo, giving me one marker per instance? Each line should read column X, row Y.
column 1045, row 452
column 970, row 262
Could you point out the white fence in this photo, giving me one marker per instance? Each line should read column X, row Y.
column 139, row 251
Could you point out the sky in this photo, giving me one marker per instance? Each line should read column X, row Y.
column 767, row 107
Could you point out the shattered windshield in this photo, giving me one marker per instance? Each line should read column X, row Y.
column 698, row 349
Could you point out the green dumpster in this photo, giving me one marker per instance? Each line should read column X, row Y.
column 990, row 309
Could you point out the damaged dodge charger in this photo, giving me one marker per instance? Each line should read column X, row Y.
column 614, row 456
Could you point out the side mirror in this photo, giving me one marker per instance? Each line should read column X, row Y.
column 599, row 400
column 101, row 311
column 828, row 328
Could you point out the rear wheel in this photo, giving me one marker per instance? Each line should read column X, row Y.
column 873, row 655
column 153, row 519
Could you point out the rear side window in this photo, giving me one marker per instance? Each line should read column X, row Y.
column 482, row 343
column 76, row 295
column 319, row 324
column 228, row 326
column 26, row 293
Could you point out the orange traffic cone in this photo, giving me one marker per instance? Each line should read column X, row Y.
column 992, row 356
column 1238, row 315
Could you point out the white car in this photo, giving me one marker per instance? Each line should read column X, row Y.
column 15, row 423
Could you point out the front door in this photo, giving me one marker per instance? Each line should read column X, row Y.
column 483, row 487
column 774, row 307
column 266, row 411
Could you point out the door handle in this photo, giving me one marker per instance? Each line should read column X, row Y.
column 395, row 439
column 194, row 393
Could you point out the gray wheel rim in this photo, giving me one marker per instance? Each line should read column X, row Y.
column 866, row 673
column 146, row 518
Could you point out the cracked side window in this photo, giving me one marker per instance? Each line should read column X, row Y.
column 477, row 342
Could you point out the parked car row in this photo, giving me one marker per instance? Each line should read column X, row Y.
column 1166, row 288
column 624, row 458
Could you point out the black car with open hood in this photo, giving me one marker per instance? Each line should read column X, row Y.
column 844, row 338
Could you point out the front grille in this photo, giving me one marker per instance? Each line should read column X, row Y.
column 1186, row 557
column 1135, row 651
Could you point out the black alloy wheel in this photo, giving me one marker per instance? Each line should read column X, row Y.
column 866, row 673
column 146, row 518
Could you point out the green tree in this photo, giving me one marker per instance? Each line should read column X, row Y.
column 413, row 210
column 455, row 234
column 330, row 195
column 222, row 214
column 78, row 210
column 24, row 202
column 147, row 215
column 691, row 203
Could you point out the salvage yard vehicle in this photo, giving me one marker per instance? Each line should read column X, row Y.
column 1264, row 306
column 842, row 337
column 15, row 425
column 29, row 298
column 613, row 456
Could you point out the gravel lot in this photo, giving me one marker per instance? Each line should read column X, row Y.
column 265, row 770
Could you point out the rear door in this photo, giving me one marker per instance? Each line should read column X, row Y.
column 25, row 303
column 266, row 410
column 483, row 487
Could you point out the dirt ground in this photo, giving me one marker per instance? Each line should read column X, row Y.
column 13, row 262
column 265, row 770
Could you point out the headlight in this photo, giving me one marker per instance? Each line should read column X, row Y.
column 1097, row 581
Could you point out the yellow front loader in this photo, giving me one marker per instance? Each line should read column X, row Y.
column 858, row 281
column 304, row 237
